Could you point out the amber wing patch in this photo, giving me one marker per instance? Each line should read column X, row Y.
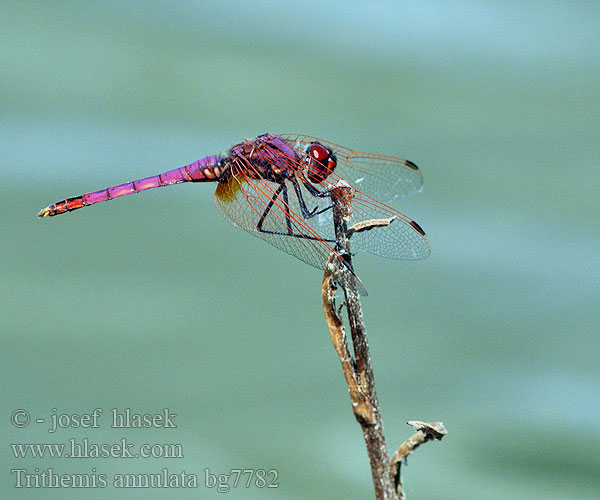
column 227, row 190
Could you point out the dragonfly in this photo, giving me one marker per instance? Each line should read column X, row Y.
column 278, row 188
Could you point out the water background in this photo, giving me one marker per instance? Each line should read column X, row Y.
column 154, row 301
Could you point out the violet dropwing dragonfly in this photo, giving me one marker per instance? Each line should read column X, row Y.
column 277, row 188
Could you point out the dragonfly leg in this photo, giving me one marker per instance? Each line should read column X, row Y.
column 288, row 220
column 283, row 192
column 281, row 189
column 315, row 192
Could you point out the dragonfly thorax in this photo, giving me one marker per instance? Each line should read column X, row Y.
column 266, row 157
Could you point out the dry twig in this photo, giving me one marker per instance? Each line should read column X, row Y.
column 425, row 432
column 357, row 370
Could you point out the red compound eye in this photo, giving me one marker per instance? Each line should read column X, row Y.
column 319, row 152
column 322, row 163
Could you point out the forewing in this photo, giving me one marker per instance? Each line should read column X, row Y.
column 402, row 238
column 385, row 177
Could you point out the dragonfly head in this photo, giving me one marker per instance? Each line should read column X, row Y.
column 322, row 162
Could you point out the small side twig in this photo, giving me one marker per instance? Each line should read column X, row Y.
column 425, row 432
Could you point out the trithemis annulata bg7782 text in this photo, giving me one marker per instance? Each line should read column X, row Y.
column 276, row 187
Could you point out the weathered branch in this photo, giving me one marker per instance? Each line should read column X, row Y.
column 360, row 402
column 357, row 370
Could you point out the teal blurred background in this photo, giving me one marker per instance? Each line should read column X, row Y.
column 154, row 301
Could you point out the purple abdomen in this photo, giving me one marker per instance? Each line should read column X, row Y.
column 206, row 169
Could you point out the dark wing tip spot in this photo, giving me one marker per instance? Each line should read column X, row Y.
column 417, row 227
column 411, row 165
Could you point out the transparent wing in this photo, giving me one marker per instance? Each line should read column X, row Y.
column 292, row 216
column 402, row 239
column 385, row 177
column 272, row 212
